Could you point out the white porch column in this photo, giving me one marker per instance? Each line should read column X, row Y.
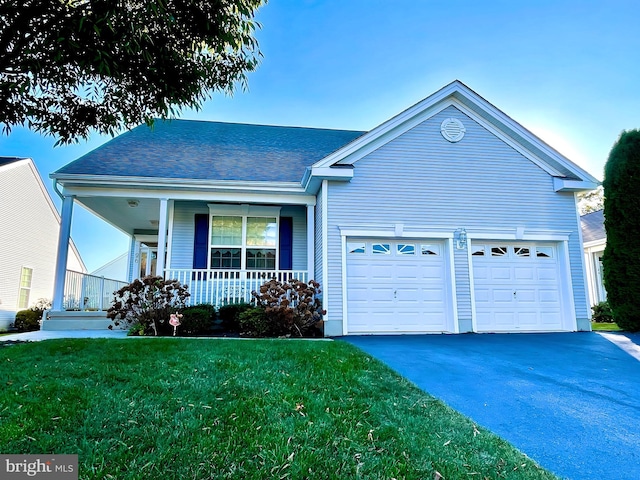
column 63, row 253
column 162, row 237
column 311, row 241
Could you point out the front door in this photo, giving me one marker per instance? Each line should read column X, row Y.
column 148, row 260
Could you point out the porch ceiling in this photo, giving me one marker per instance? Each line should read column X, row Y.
column 117, row 212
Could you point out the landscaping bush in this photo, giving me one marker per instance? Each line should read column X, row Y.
column 30, row 320
column 229, row 315
column 197, row 319
column 138, row 330
column 291, row 309
column 621, row 269
column 253, row 322
column 602, row 313
column 148, row 301
column 27, row 320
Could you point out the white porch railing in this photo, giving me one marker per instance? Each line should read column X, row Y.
column 84, row 292
column 222, row 287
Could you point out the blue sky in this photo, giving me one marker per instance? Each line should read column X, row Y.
column 566, row 70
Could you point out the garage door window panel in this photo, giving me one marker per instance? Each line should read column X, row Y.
column 356, row 248
column 430, row 250
column 381, row 249
column 499, row 251
column 544, row 252
column 406, row 249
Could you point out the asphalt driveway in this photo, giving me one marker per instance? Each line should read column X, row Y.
column 570, row 401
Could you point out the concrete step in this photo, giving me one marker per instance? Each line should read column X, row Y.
column 63, row 320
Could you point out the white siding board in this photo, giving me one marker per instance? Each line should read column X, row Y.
column 184, row 231
column 29, row 227
column 334, row 270
column 421, row 179
column 463, row 288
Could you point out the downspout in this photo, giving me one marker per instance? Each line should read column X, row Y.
column 55, row 188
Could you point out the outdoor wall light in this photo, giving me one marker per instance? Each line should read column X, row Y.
column 133, row 203
column 460, row 236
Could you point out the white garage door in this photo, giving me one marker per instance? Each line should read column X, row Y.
column 517, row 286
column 397, row 286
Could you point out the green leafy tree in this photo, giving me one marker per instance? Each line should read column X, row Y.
column 621, row 260
column 69, row 66
column 591, row 201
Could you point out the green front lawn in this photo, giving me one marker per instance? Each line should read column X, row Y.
column 605, row 327
column 198, row 409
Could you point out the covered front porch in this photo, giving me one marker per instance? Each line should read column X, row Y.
column 221, row 245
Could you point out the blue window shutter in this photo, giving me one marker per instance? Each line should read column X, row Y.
column 201, row 240
column 286, row 243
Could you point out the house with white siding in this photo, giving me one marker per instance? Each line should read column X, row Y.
column 449, row 217
column 116, row 268
column 594, row 237
column 29, row 225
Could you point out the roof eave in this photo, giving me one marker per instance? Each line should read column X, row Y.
column 353, row 148
column 573, row 185
column 172, row 183
column 595, row 243
column 315, row 175
column 463, row 95
column 527, row 139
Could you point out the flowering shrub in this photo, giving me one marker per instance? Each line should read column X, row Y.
column 290, row 309
column 148, row 301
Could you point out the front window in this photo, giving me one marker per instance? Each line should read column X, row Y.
column 261, row 231
column 261, row 259
column 226, row 258
column 226, row 231
column 244, row 242
column 25, row 287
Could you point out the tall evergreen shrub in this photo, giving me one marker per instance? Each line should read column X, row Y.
column 621, row 260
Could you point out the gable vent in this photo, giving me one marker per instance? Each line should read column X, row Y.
column 452, row 129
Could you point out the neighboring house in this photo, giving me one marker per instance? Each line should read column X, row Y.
column 116, row 269
column 449, row 217
column 28, row 239
column 594, row 239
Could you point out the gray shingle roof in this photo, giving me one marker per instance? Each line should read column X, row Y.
column 187, row 149
column 593, row 226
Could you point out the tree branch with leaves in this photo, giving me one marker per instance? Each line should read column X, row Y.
column 70, row 66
